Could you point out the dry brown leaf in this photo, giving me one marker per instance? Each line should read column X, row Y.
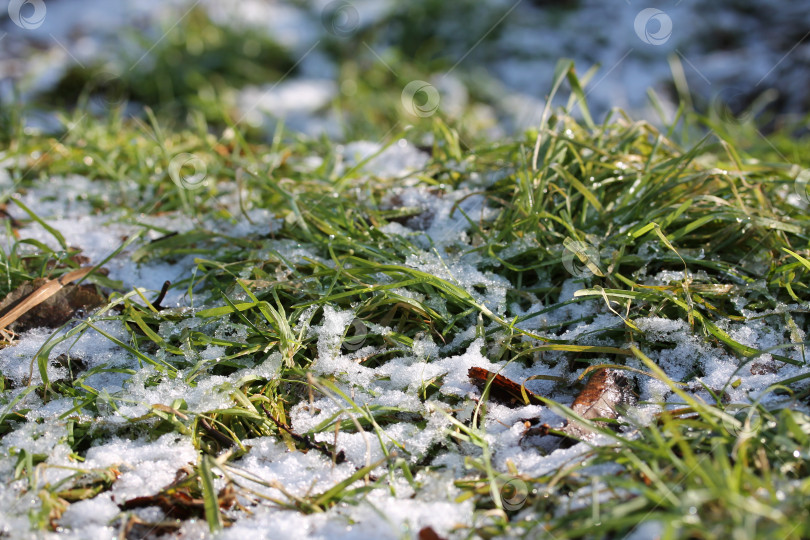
column 600, row 398
column 501, row 389
column 48, row 302
column 427, row 533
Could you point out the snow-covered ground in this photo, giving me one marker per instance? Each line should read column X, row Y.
column 755, row 51
column 397, row 510
column 730, row 51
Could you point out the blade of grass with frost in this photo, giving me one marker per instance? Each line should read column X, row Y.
column 13, row 403
column 41, row 357
column 368, row 418
column 292, row 201
column 225, row 310
column 380, row 433
column 802, row 260
column 125, row 244
column 159, row 364
column 455, row 292
column 184, row 244
column 338, row 492
column 350, row 175
column 710, row 327
column 209, row 494
column 362, row 411
column 238, row 310
column 152, row 335
column 288, row 345
column 477, row 437
column 707, row 414
column 450, row 138
column 578, row 95
column 579, row 186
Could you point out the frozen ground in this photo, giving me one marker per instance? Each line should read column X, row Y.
column 752, row 50
column 400, row 509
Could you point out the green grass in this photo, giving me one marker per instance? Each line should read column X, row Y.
column 193, row 69
column 696, row 198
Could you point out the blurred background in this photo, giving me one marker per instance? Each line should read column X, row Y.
column 343, row 69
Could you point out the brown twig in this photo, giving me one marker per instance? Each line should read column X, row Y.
column 162, row 295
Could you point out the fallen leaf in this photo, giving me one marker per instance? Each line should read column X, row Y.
column 764, row 368
column 604, row 392
column 427, row 533
column 502, row 389
column 601, row 398
column 48, row 302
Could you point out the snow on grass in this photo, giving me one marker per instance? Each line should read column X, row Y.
column 148, row 464
column 400, row 397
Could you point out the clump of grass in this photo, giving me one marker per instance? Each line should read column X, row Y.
column 685, row 475
column 191, row 69
column 637, row 200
